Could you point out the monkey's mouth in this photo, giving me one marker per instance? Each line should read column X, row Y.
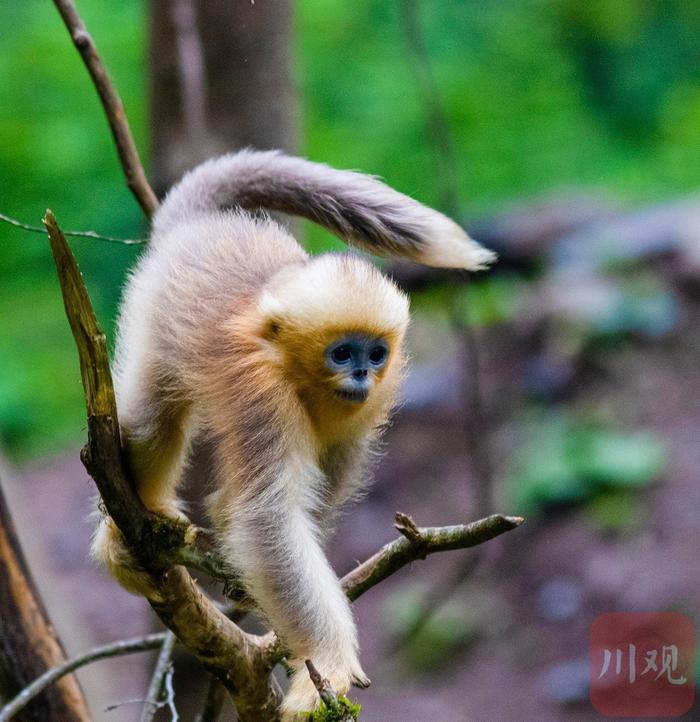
column 356, row 396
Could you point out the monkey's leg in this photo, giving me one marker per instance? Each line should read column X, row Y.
column 272, row 539
column 156, row 441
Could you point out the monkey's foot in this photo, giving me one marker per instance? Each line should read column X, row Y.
column 108, row 547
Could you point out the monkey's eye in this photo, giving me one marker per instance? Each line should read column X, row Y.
column 341, row 354
column 377, row 355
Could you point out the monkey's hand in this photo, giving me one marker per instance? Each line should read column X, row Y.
column 303, row 698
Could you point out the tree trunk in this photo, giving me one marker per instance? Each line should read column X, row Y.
column 220, row 80
column 28, row 643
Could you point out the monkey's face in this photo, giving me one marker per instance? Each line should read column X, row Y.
column 356, row 363
column 336, row 327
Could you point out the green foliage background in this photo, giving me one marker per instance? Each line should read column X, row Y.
column 541, row 94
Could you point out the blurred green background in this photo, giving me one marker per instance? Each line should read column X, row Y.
column 585, row 335
column 540, row 96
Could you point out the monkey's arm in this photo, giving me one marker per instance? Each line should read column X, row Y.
column 274, row 542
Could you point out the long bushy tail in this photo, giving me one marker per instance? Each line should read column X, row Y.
column 358, row 208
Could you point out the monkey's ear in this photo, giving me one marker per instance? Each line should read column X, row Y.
column 269, row 340
column 270, row 329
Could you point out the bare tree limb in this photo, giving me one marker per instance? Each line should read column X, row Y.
column 422, row 542
column 239, row 660
column 114, row 649
column 112, row 105
column 103, row 454
column 163, row 663
column 388, row 560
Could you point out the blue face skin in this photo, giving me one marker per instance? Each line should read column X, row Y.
column 356, row 359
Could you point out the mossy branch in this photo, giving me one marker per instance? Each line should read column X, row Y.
column 334, row 707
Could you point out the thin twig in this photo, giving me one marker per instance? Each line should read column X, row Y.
column 159, row 673
column 153, row 705
column 78, row 234
column 112, row 105
column 405, row 524
column 114, row 649
column 169, row 700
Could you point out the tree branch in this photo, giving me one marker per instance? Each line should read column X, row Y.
column 420, row 542
column 159, row 543
column 114, row 649
column 112, row 105
column 191, row 607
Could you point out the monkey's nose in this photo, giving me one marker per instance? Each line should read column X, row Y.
column 359, row 374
